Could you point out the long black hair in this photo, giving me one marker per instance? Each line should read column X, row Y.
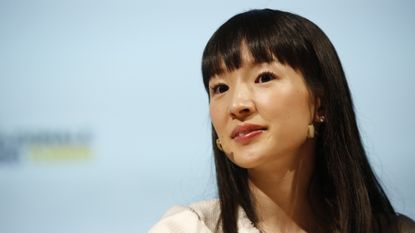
column 353, row 199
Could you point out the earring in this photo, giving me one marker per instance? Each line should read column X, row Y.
column 310, row 131
column 322, row 119
column 218, row 144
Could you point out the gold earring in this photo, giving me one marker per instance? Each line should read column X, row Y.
column 310, row 131
column 218, row 144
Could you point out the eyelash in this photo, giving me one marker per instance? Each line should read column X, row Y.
column 266, row 74
column 216, row 89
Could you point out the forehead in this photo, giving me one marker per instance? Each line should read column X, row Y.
column 246, row 55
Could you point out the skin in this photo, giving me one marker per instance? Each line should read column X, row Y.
column 280, row 159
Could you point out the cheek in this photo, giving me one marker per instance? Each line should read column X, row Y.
column 286, row 108
column 216, row 116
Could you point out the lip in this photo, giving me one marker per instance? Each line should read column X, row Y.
column 246, row 132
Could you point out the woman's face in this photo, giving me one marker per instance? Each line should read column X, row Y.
column 260, row 112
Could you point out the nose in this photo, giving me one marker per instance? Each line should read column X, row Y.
column 242, row 104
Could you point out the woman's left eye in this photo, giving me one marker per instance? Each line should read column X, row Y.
column 265, row 77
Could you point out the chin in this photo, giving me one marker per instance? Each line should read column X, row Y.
column 247, row 161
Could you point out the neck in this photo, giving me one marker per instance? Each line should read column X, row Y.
column 280, row 192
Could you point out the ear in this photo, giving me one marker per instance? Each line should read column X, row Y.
column 319, row 111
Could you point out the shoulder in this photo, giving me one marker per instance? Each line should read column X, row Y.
column 395, row 223
column 199, row 217
column 405, row 224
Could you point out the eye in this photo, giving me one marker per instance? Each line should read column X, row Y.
column 219, row 88
column 265, row 77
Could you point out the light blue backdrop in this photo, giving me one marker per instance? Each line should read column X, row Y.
column 126, row 75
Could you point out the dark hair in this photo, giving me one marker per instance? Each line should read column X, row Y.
column 353, row 199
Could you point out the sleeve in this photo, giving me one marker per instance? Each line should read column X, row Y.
column 406, row 225
column 180, row 219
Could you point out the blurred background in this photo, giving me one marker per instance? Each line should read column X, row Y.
column 104, row 120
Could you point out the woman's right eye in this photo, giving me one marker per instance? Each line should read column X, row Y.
column 219, row 88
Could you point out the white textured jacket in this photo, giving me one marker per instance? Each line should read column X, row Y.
column 200, row 217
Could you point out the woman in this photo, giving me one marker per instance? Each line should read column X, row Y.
column 287, row 149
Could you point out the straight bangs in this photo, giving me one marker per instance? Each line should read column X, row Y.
column 268, row 37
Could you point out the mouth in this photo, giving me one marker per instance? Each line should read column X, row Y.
column 247, row 132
